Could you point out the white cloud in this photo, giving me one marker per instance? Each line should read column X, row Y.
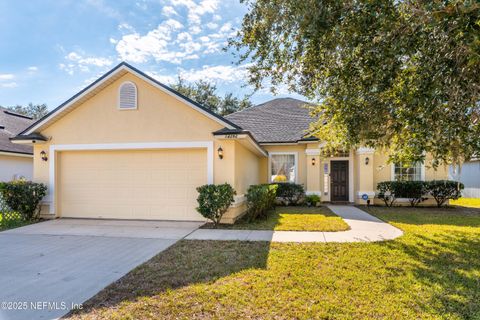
column 169, row 11
column 155, row 44
column 212, row 25
column 126, row 27
column 224, row 73
column 32, row 69
column 9, row 85
column 77, row 61
column 6, row 76
column 196, row 11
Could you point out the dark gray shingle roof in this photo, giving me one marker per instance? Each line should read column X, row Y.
column 278, row 120
column 10, row 125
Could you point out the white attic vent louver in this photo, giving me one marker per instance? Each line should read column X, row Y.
column 128, row 96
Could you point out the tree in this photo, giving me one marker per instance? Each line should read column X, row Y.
column 399, row 75
column 36, row 111
column 205, row 93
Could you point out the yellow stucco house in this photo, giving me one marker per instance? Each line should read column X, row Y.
column 129, row 147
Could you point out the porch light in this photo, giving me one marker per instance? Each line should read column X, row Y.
column 367, row 160
column 313, row 161
column 220, row 153
column 43, row 154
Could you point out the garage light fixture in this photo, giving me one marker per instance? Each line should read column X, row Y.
column 313, row 161
column 220, row 153
column 43, row 154
column 367, row 160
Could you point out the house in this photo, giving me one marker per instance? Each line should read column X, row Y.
column 469, row 175
column 129, row 147
column 16, row 161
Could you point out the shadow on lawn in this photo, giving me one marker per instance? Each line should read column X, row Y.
column 183, row 264
column 444, row 259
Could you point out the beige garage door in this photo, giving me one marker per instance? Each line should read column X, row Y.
column 132, row 184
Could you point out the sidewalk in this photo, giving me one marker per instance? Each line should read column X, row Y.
column 363, row 228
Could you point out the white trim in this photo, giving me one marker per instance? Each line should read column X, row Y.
column 242, row 136
column 318, row 193
column 422, row 172
column 270, row 154
column 14, row 154
column 365, row 150
column 27, row 141
column 124, row 146
column 106, row 79
column 312, row 152
column 136, row 96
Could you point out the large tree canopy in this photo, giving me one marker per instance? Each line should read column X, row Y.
column 399, row 75
column 205, row 93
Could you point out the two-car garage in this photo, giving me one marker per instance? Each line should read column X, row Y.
column 130, row 184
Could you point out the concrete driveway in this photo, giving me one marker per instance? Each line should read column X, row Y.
column 48, row 267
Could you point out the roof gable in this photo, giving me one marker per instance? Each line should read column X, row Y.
column 111, row 76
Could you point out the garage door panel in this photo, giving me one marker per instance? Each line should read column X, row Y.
column 131, row 184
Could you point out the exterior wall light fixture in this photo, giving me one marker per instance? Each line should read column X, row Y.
column 313, row 161
column 367, row 160
column 220, row 153
column 43, row 154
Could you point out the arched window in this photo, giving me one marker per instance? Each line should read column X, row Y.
column 127, row 97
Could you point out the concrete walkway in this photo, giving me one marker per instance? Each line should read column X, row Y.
column 363, row 228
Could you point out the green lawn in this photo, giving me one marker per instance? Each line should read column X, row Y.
column 432, row 272
column 293, row 219
column 467, row 202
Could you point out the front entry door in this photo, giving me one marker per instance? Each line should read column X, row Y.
column 339, row 180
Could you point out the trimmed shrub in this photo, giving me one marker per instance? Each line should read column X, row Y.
column 290, row 193
column 443, row 190
column 260, row 200
column 414, row 191
column 312, row 200
column 214, row 200
column 23, row 197
column 386, row 192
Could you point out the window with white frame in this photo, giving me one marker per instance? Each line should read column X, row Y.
column 283, row 167
column 127, row 97
column 407, row 173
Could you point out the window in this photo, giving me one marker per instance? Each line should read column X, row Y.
column 283, row 167
column 407, row 173
column 127, row 96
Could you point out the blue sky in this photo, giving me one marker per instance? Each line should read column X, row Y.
column 51, row 49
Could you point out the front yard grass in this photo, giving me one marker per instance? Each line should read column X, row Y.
column 466, row 202
column 432, row 272
column 292, row 219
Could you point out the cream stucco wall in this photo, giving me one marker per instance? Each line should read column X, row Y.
column 15, row 167
column 158, row 118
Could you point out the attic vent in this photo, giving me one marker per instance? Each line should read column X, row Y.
column 128, row 96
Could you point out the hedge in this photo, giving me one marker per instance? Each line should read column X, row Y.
column 260, row 200
column 418, row 191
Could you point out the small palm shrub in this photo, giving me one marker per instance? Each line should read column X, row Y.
column 214, row 200
column 260, row 200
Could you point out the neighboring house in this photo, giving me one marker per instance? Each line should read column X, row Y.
column 129, row 147
column 16, row 161
column 469, row 175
